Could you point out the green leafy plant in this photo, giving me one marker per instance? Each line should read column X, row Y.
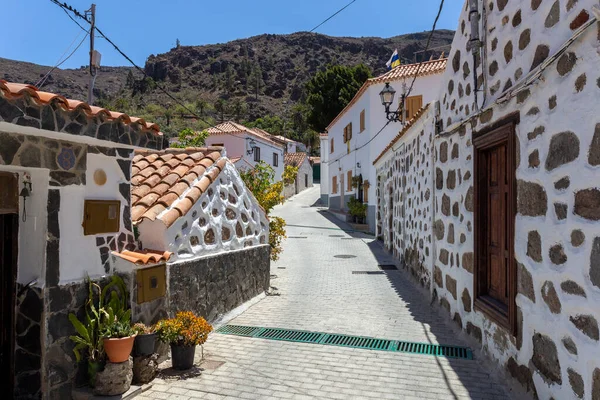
column 104, row 307
column 356, row 181
column 357, row 209
column 189, row 138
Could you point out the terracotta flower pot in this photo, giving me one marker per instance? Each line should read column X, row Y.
column 118, row 349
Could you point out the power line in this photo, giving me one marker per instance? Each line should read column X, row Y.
column 59, row 62
column 437, row 17
column 333, row 15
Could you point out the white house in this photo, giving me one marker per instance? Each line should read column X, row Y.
column 361, row 131
column 292, row 146
column 304, row 177
column 247, row 146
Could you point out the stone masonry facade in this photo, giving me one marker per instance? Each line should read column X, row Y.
column 554, row 352
column 215, row 284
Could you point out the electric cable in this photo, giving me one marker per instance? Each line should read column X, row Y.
column 59, row 62
column 333, row 15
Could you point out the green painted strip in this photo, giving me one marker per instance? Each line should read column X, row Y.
column 357, row 342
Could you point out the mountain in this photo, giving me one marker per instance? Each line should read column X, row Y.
column 257, row 76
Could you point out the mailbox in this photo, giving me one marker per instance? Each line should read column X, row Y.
column 151, row 283
column 101, row 216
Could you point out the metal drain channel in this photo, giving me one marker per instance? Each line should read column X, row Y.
column 357, row 342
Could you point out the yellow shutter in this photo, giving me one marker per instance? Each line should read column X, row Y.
column 413, row 104
column 349, row 181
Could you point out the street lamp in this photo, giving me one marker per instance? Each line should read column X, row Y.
column 252, row 145
column 387, row 98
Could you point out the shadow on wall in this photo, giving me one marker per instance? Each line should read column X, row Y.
column 437, row 327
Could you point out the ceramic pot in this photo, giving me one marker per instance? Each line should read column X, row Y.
column 118, row 349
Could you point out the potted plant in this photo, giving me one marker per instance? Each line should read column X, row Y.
column 358, row 210
column 145, row 339
column 99, row 307
column 118, row 338
column 183, row 333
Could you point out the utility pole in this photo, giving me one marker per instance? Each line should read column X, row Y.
column 92, row 61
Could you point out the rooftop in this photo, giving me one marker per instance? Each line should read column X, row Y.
column 166, row 184
column 294, row 159
column 26, row 105
column 233, row 128
column 401, row 72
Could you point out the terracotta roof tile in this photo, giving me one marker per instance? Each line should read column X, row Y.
column 144, row 257
column 401, row 72
column 10, row 89
column 172, row 181
column 233, row 128
column 294, row 159
column 406, row 127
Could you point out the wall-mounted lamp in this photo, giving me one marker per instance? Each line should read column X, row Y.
column 357, row 165
column 252, row 145
column 25, row 193
column 387, row 98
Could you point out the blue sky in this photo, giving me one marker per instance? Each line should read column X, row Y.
column 39, row 31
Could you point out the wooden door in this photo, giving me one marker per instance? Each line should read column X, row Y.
column 9, row 229
column 495, row 273
column 497, row 257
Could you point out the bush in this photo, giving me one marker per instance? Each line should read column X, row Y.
column 357, row 209
column 186, row 329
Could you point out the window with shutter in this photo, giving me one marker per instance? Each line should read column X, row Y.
column 334, row 185
column 331, row 150
column 412, row 105
column 362, row 120
column 349, row 189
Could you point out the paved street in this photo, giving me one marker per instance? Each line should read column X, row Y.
column 314, row 290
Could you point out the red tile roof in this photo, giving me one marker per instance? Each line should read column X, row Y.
column 401, row 72
column 294, row 159
column 166, row 184
column 233, row 128
column 10, row 89
column 406, row 127
column 144, row 257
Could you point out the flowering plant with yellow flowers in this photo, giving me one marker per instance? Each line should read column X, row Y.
column 186, row 329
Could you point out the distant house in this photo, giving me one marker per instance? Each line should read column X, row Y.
column 361, row 131
column 292, row 146
column 248, row 146
column 304, row 177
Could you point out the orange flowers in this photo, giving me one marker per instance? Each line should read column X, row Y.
column 186, row 329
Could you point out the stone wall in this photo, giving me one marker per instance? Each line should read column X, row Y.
column 215, row 284
column 555, row 351
column 405, row 179
column 28, row 346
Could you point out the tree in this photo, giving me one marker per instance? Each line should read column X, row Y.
column 259, row 181
column 329, row 91
column 272, row 124
column 177, row 43
column 201, row 105
column 220, row 107
column 238, row 109
column 189, row 138
column 130, row 80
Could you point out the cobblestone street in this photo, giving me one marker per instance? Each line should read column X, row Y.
column 314, row 290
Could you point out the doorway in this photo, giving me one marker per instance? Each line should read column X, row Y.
column 9, row 231
column 342, row 190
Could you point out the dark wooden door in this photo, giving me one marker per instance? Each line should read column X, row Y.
column 8, row 275
column 497, row 234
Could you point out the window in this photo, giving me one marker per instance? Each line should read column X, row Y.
column 217, row 145
column 334, row 185
column 366, row 186
column 362, row 120
column 349, row 189
column 348, row 132
column 412, row 104
column 257, row 154
column 495, row 273
column 275, row 159
column 331, row 149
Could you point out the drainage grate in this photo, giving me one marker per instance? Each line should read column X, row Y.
column 336, row 236
column 344, row 256
column 238, row 330
column 387, row 267
column 357, row 342
column 368, row 273
column 281, row 267
column 297, row 237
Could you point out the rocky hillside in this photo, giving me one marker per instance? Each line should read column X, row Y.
column 266, row 73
